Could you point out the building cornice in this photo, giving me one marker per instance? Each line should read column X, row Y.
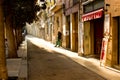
column 56, row 7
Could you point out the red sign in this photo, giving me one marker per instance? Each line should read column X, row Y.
column 103, row 51
column 92, row 15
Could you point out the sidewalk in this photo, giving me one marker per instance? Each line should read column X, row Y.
column 22, row 52
column 17, row 67
column 90, row 63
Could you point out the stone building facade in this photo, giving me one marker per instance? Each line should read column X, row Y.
column 71, row 16
column 89, row 27
column 100, row 22
column 112, row 9
column 92, row 20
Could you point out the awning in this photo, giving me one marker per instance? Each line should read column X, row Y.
column 92, row 15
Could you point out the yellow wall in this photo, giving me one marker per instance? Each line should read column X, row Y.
column 57, row 26
column 87, row 38
column 112, row 50
column 115, row 7
column 74, row 32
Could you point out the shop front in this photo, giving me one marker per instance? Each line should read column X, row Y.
column 92, row 19
column 93, row 32
column 72, row 27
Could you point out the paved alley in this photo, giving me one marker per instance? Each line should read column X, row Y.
column 47, row 64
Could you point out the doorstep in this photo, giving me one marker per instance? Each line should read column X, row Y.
column 117, row 67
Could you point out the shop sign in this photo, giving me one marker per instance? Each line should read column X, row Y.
column 92, row 15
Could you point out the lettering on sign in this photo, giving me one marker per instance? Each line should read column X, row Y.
column 92, row 15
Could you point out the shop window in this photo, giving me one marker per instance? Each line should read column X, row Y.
column 88, row 8
column 98, row 4
column 92, row 6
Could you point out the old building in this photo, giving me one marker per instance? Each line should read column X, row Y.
column 93, row 22
column 99, row 25
column 112, row 13
column 56, row 18
column 89, row 27
column 71, row 14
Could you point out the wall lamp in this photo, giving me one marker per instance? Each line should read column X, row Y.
column 106, row 7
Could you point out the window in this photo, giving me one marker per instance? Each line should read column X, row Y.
column 96, row 4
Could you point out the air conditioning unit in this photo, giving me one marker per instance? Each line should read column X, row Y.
column 87, row 2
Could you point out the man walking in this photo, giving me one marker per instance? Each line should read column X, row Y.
column 59, row 41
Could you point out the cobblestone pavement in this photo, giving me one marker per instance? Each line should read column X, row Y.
column 46, row 64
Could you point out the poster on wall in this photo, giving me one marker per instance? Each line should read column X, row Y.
column 103, row 51
column 81, row 37
column 107, row 24
column 105, row 39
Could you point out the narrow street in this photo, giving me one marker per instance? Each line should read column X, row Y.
column 46, row 64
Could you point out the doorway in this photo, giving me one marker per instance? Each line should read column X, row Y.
column 118, row 58
column 98, row 36
column 76, row 31
column 68, row 44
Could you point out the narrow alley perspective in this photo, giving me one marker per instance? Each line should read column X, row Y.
column 46, row 64
column 59, row 39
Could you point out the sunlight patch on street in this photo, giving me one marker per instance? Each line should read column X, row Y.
column 48, row 46
column 87, row 62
